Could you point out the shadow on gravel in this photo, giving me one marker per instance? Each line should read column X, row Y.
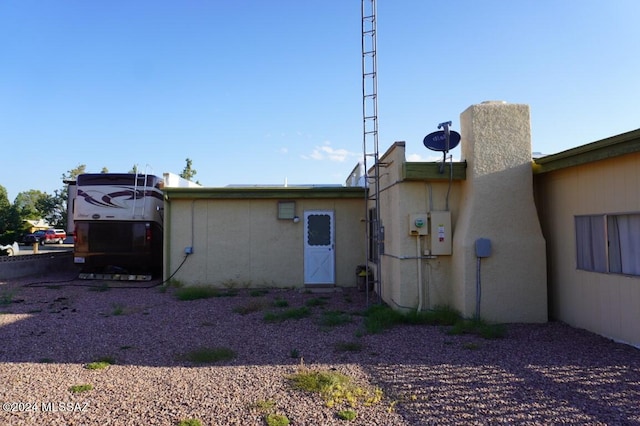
column 537, row 374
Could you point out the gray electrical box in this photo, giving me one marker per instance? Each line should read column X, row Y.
column 483, row 247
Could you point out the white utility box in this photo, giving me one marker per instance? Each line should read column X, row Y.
column 440, row 226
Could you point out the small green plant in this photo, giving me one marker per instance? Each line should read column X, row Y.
column 80, row 388
column 347, row 415
column 334, row 318
column 440, row 315
column 100, row 364
column 478, row 327
column 379, row 318
column 292, row 313
column 280, row 303
column 294, row 353
column 258, row 292
column 46, row 360
column 190, row 422
column 117, row 309
column 335, row 388
column 209, row 355
column 196, row 292
column 276, row 420
column 230, row 284
column 265, row 405
column 316, row 301
column 348, row 346
column 6, row 297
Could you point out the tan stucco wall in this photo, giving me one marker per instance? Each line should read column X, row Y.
column 401, row 270
column 497, row 203
column 607, row 304
column 241, row 241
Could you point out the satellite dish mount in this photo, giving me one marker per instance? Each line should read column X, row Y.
column 442, row 140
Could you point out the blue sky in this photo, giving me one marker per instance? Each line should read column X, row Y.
column 259, row 92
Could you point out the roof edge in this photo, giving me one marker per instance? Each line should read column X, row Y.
column 264, row 192
column 614, row 146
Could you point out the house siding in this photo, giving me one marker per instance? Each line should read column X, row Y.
column 241, row 242
column 607, row 304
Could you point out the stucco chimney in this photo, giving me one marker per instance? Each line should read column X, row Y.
column 497, row 203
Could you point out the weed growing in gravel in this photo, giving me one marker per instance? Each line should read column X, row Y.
column 80, row 388
column 478, row 327
column 316, row 301
column 6, row 297
column 347, row 415
column 232, row 284
column 380, row 317
column 258, row 292
column 280, row 303
column 190, row 422
column 294, row 353
column 45, row 360
column 209, row 355
column 196, row 292
column 292, row 313
column 439, row 315
column 276, row 420
column 334, row 318
column 117, row 309
column 335, row 388
column 100, row 364
column 263, row 405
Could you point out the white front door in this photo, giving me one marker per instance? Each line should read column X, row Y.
column 319, row 245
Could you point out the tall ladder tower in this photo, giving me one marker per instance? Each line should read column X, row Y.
column 373, row 230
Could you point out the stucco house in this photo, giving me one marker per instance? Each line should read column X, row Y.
column 496, row 234
column 485, row 198
column 291, row 236
column 588, row 200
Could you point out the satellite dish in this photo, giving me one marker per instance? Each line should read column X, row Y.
column 437, row 141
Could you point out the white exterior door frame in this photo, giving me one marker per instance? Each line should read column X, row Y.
column 319, row 247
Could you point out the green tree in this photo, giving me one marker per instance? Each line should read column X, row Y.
column 10, row 221
column 58, row 206
column 188, row 173
column 28, row 204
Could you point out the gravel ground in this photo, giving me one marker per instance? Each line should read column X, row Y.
column 49, row 331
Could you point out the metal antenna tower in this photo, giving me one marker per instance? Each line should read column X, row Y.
column 373, row 230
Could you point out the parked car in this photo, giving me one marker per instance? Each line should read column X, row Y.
column 34, row 237
column 52, row 236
